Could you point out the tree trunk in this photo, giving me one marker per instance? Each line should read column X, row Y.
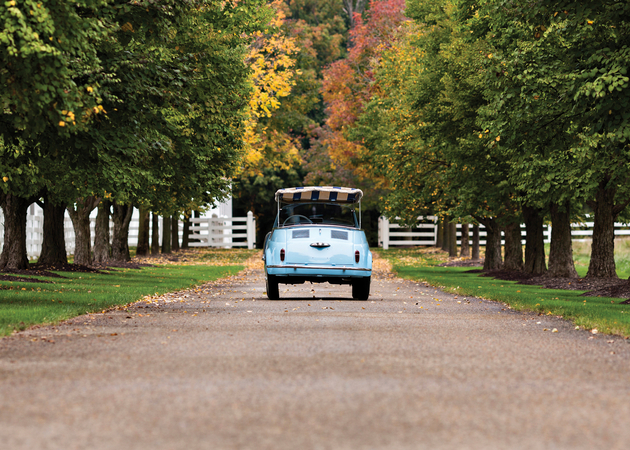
column 493, row 245
column 175, row 234
column 513, row 248
column 602, row 264
column 54, row 243
column 445, row 234
column 561, row 249
column 80, row 215
column 452, row 239
column 439, row 240
column 186, row 231
column 465, row 244
column 155, row 234
column 352, row 7
column 102, row 249
column 143, row 232
column 13, row 255
column 166, row 235
column 534, row 241
column 120, row 238
column 475, row 246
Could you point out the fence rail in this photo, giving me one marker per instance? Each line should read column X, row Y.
column 222, row 232
column 225, row 232
column 428, row 236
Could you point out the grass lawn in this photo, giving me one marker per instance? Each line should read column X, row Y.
column 23, row 304
column 604, row 314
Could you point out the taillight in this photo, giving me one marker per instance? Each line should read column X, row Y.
column 357, row 256
column 282, row 255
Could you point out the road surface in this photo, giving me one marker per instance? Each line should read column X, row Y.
column 222, row 367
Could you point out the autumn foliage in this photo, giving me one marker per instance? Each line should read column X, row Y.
column 349, row 83
column 271, row 58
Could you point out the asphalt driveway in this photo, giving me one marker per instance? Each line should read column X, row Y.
column 222, row 367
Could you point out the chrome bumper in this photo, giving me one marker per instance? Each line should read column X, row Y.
column 300, row 266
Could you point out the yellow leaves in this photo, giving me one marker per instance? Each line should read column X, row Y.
column 273, row 67
column 5, row 179
column 590, row 22
column 89, row 89
column 12, row 3
column 69, row 118
column 480, row 135
column 272, row 63
column 127, row 27
column 498, row 138
column 490, row 55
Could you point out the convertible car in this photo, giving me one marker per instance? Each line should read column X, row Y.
column 317, row 237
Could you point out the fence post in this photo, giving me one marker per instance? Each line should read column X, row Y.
column 385, row 233
column 251, row 230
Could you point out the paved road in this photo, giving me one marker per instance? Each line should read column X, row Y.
column 224, row 368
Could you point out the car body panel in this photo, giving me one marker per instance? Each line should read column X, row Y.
column 316, row 252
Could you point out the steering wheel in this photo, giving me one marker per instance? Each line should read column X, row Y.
column 294, row 216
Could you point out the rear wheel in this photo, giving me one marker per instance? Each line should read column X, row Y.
column 272, row 288
column 361, row 288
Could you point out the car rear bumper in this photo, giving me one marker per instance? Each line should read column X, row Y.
column 317, row 270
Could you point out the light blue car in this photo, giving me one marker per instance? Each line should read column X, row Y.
column 317, row 237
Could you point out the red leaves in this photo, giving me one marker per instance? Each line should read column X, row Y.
column 348, row 83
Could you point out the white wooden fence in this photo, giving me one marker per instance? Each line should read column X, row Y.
column 226, row 232
column 425, row 232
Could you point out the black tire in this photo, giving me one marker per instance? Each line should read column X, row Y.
column 273, row 293
column 361, row 288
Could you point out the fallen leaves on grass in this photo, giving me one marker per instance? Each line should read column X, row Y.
column 203, row 256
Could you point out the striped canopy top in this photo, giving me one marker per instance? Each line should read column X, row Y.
column 319, row 194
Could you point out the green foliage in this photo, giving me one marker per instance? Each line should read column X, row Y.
column 558, row 87
column 47, row 52
column 154, row 109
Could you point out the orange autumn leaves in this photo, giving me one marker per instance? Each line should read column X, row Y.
column 350, row 83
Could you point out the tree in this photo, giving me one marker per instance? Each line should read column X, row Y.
column 563, row 80
column 347, row 88
column 45, row 50
column 154, row 109
column 420, row 126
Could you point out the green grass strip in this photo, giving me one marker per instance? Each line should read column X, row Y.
column 604, row 314
column 23, row 304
